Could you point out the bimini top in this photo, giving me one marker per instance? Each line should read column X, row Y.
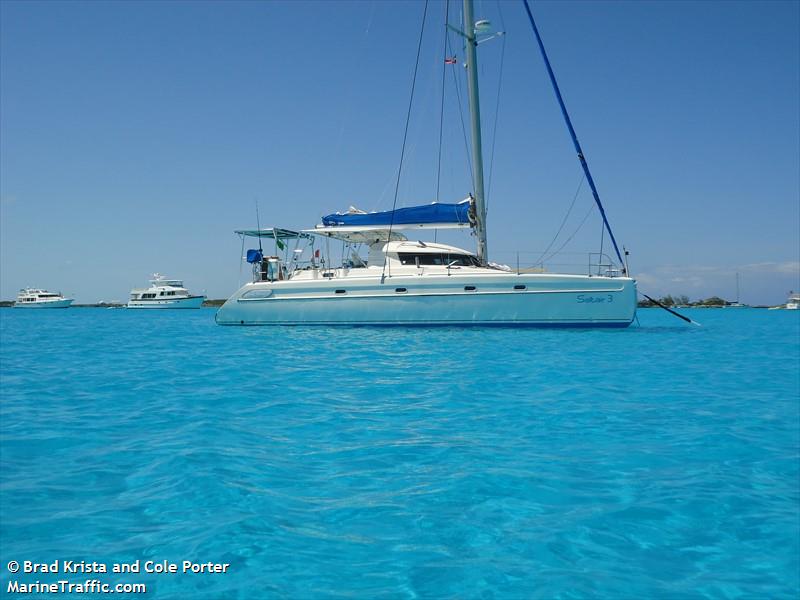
column 358, row 235
column 434, row 216
column 273, row 233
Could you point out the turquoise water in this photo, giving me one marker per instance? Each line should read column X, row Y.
column 658, row 461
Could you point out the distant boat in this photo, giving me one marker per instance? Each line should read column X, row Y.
column 736, row 304
column 793, row 303
column 36, row 298
column 164, row 293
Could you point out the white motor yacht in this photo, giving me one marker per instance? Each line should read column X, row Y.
column 793, row 303
column 164, row 293
column 36, row 298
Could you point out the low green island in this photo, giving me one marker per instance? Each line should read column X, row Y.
column 214, row 303
column 684, row 302
column 668, row 300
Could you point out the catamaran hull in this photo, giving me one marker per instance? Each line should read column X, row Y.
column 506, row 300
column 192, row 302
column 51, row 304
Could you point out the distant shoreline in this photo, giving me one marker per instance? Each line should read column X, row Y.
column 206, row 304
column 218, row 303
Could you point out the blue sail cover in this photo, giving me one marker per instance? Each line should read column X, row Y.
column 254, row 256
column 412, row 215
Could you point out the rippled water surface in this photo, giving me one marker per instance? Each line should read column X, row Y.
column 657, row 461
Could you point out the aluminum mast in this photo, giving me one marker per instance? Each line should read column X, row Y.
column 475, row 113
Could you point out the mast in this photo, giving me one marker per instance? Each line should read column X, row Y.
column 737, row 287
column 475, row 117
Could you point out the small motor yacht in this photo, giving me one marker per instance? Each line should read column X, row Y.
column 793, row 303
column 164, row 293
column 36, row 298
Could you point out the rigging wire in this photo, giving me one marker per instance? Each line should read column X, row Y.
column 496, row 106
column 568, row 122
column 602, row 239
column 461, row 115
column 241, row 260
column 563, row 221
column 258, row 224
column 574, row 233
column 347, row 116
column 669, row 310
column 441, row 108
column 405, row 133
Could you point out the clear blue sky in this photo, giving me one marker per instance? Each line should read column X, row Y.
column 136, row 136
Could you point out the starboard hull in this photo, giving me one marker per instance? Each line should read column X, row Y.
column 532, row 300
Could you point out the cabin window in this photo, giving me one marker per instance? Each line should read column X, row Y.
column 443, row 259
column 469, row 288
column 341, row 291
column 257, row 294
column 400, row 290
column 520, row 287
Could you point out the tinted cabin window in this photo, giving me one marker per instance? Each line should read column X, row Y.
column 428, row 258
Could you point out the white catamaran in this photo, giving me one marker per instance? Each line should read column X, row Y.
column 407, row 282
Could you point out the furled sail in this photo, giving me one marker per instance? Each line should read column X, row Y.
column 428, row 215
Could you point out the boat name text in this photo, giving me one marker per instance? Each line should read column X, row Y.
column 584, row 299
